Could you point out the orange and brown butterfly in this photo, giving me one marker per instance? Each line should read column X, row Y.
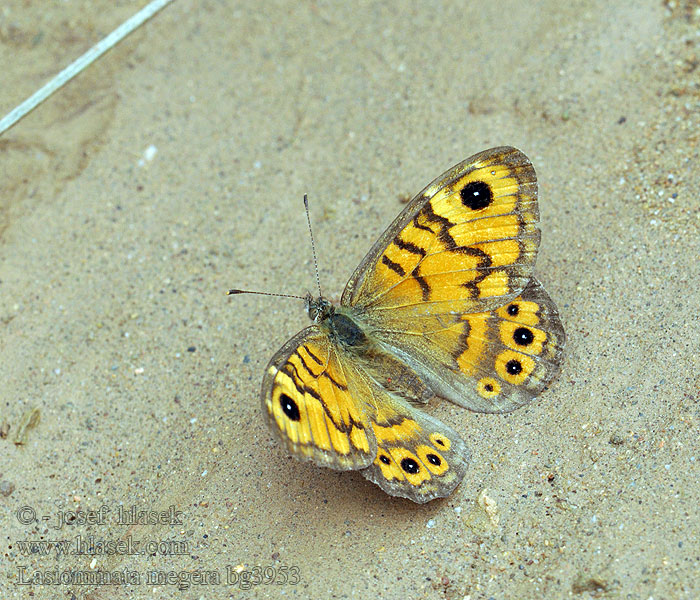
column 444, row 304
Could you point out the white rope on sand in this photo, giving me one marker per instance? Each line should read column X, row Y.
column 81, row 63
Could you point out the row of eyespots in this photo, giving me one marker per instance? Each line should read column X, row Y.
column 512, row 366
column 411, row 464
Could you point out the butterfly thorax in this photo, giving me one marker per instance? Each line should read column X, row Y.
column 338, row 325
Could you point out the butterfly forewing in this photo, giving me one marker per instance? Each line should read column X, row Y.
column 467, row 243
column 306, row 397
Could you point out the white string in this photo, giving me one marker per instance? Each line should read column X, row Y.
column 81, row 63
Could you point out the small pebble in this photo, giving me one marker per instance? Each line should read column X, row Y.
column 6, row 487
column 616, row 439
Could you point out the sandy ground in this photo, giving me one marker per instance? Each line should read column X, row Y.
column 115, row 326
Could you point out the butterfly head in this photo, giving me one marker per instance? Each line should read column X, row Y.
column 319, row 309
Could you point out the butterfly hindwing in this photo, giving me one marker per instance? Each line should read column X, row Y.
column 493, row 361
column 418, row 456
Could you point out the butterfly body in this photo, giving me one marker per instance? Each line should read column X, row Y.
column 345, row 330
column 444, row 304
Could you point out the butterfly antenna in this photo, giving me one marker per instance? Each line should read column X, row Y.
column 313, row 245
column 234, row 292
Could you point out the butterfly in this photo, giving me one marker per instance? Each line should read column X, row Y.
column 444, row 304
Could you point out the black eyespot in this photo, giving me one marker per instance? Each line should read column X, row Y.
column 488, row 387
column 433, row 459
column 476, row 195
column 513, row 310
column 514, row 367
column 523, row 336
column 289, row 407
column 439, row 442
column 385, row 459
column 410, row 466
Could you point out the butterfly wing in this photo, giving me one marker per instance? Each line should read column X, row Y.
column 432, row 290
column 327, row 406
column 447, row 291
column 494, row 361
column 309, row 405
column 418, row 456
column 466, row 243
